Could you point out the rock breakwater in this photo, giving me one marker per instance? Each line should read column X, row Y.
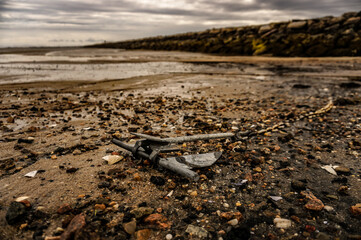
column 326, row 36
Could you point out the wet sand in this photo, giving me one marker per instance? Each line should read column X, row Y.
column 72, row 102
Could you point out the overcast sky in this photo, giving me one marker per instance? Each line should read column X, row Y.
column 80, row 22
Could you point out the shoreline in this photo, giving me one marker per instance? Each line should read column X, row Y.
column 63, row 130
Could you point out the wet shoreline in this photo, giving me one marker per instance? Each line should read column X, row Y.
column 63, row 129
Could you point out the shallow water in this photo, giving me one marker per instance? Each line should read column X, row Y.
column 88, row 66
column 92, row 65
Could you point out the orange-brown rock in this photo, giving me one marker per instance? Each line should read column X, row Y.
column 157, row 220
column 356, row 209
column 74, row 226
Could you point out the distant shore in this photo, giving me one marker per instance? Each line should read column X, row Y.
column 326, row 36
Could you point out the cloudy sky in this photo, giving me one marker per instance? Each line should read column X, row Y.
column 80, row 22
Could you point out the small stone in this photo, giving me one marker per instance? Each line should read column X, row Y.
column 322, row 236
column 158, row 220
column 257, row 169
column 297, row 25
column 130, row 227
column 76, row 224
column 194, row 194
column 142, row 211
column 356, row 209
column 295, row 219
column 352, row 20
column 197, row 231
column 310, row 228
column 52, row 238
column 100, row 207
column 10, row 120
column 329, row 208
column 282, row 223
column 76, row 152
column 233, row 222
column 137, row 177
column 104, row 184
column 15, row 213
column 59, row 231
column 25, row 202
column 342, row 170
column 298, row 185
column 20, row 199
column 22, row 226
column 157, row 180
column 168, row 236
column 226, row 205
column 354, row 236
column 342, row 189
column 26, row 140
column 71, row 170
column 64, row 208
column 143, row 234
column 314, row 205
column 330, row 196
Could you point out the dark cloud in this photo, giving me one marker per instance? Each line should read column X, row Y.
column 126, row 19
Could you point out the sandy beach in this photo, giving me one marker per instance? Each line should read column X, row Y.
column 60, row 108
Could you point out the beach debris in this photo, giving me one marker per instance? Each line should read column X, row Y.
column 31, row 174
column 113, row 159
column 276, row 198
column 150, row 147
column 330, row 169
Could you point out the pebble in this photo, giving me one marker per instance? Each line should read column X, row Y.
column 322, row 236
column 157, row 180
column 298, row 185
column 282, row 223
column 137, row 177
column 342, row 170
column 59, row 231
column 329, row 208
column 168, row 236
column 194, row 194
column 130, row 227
column 143, row 234
column 76, row 152
column 15, row 213
column 77, row 223
column 233, row 222
column 197, row 231
column 104, row 184
column 356, row 209
column 226, row 205
column 142, row 211
column 10, row 120
column 52, row 238
column 64, row 208
column 100, row 207
column 157, row 219
column 314, row 204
